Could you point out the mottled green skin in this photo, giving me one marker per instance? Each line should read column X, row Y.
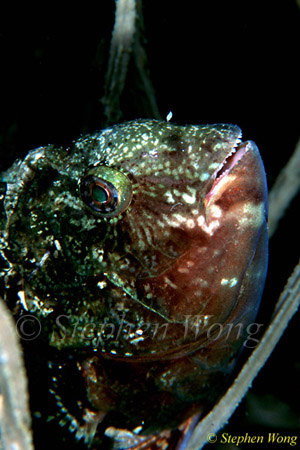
column 121, row 293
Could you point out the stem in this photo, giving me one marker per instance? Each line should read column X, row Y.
column 15, row 420
column 284, row 189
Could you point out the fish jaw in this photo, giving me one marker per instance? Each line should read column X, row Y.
column 228, row 246
column 240, row 198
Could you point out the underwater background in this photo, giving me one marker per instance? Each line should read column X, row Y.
column 209, row 62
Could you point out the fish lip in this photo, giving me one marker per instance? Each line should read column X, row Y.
column 230, row 162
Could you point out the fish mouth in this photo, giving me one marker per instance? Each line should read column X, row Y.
column 226, row 167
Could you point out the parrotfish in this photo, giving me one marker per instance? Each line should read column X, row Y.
column 141, row 251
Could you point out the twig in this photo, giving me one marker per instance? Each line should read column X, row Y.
column 120, row 49
column 284, row 189
column 126, row 40
column 15, row 420
column 150, row 106
column 218, row 417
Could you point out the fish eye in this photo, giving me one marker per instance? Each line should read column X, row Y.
column 105, row 191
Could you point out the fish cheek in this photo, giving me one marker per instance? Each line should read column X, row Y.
column 154, row 243
column 174, row 292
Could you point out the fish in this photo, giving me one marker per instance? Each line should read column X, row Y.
column 139, row 253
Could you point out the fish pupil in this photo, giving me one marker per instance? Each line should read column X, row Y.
column 99, row 194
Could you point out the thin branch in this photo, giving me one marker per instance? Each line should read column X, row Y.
column 120, row 49
column 127, row 42
column 15, row 420
column 284, row 189
column 219, row 416
column 141, row 62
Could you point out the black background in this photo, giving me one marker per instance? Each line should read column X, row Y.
column 210, row 61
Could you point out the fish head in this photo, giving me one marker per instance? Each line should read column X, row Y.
column 146, row 219
column 195, row 222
